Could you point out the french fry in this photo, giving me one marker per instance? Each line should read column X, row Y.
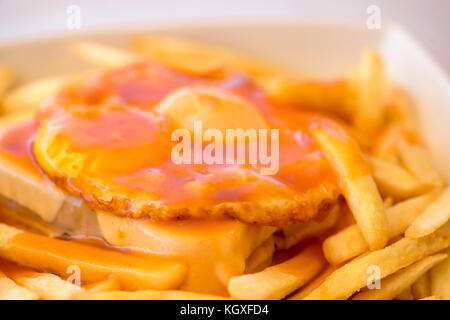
column 359, row 188
column 6, row 79
column 56, row 256
column 278, row 281
column 361, row 98
column 353, row 276
column 349, row 242
column 418, row 161
column 436, row 215
column 360, row 137
column 103, row 55
column 433, row 298
column 346, row 218
column 49, row 286
column 421, row 288
column 103, row 285
column 388, row 202
column 393, row 180
column 370, row 92
column 403, row 213
column 261, row 257
column 306, row 290
column 46, row 286
column 295, row 233
column 440, row 279
column 200, row 59
column 9, row 290
column 344, row 245
column 30, row 96
column 384, row 143
column 148, row 295
column 395, row 284
column 325, row 97
column 401, row 110
column 180, row 54
column 405, row 295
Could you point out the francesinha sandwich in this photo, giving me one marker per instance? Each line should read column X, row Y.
column 185, row 171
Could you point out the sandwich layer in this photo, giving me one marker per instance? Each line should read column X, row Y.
column 108, row 141
column 214, row 250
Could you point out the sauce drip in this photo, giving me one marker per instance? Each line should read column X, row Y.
column 15, row 144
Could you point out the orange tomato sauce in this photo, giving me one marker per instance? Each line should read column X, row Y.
column 15, row 144
column 132, row 145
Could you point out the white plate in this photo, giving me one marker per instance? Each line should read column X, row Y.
column 321, row 50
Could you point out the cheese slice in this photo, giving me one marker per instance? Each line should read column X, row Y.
column 214, row 250
column 27, row 187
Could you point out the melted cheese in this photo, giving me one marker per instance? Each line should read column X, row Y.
column 19, row 178
column 214, row 250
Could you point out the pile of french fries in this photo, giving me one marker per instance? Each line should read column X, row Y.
column 389, row 239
